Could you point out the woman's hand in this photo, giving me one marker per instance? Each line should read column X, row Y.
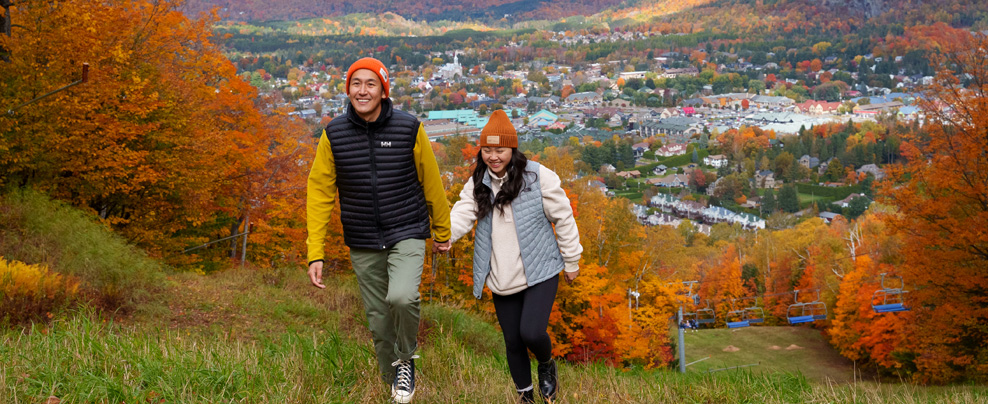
column 570, row 276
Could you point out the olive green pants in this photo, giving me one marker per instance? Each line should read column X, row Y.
column 389, row 286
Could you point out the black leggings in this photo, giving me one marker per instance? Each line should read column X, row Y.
column 524, row 319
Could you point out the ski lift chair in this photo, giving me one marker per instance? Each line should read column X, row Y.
column 735, row 318
column 706, row 315
column 889, row 300
column 799, row 313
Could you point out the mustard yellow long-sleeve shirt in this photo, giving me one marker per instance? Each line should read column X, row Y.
column 321, row 195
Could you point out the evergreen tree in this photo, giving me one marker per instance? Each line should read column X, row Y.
column 857, row 206
column 768, row 202
column 788, row 199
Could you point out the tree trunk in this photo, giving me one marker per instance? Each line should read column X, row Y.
column 234, row 229
column 5, row 25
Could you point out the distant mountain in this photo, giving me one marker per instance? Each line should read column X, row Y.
column 456, row 10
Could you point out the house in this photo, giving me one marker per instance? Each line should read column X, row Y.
column 632, row 75
column 673, row 73
column 872, row 169
column 640, row 211
column 817, row 107
column 717, row 160
column 517, row 102
column 874, row 109
column 615, row 121
column 467, row 117
column 752, row 203
column 765, row 101
column 673, row 149
column 675, row 129
column 765, row 179
column 639, row 149
column 823, row 166
column 542, row 118
column 663, row 201
column 672, row 181
column 660, row 170
column 663, row 219
column 809, row 162
column 847, row 201
column 629, row 174
column 749, row 221
column 584, row 98
column 545, row 102
column 828, row 216
column 607, row 168
column 689, row 209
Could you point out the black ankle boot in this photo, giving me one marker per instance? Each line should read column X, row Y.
column 527, row 397
column 548, row 379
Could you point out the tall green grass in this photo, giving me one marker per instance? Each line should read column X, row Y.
column 83, row 360
column 267, row 336
column 37, row 230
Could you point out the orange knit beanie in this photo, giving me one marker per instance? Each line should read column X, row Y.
column 373, row 65
column 499, row 132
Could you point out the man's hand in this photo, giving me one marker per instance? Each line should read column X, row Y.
column 442, row 247
column 315, row 274
column 571, row 276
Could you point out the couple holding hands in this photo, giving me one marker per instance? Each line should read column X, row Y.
column 378, row 162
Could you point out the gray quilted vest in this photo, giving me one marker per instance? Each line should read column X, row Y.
column 539, row 250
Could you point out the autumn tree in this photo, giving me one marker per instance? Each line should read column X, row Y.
column 164, row 143
column 941, row 193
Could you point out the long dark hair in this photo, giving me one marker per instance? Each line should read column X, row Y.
column 509, row 190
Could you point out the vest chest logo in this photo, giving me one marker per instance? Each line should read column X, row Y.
column 385, row 144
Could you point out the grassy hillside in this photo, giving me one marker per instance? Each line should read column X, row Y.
column 771, row 349
column 266, row 336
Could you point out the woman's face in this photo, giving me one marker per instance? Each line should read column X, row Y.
column 496, row 158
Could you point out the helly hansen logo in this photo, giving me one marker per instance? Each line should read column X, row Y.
column 385, row 144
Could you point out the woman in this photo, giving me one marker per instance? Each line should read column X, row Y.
column 514, row 203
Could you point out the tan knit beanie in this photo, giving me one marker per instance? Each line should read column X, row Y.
column 499, row 132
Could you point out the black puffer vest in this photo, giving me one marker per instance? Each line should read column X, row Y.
column 381, row 199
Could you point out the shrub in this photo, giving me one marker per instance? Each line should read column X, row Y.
column 33, row 292
column 112, row 274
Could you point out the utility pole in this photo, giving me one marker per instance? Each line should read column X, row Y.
column 243, row 251
column 679, row 326
column 682, row 342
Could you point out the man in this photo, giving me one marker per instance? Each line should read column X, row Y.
column 380, row 162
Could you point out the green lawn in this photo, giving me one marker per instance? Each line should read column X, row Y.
column 772, row 349
column 808, row 198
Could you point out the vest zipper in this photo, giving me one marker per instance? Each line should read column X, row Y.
column 373, row 168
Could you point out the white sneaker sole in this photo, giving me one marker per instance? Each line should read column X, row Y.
column 401, row 398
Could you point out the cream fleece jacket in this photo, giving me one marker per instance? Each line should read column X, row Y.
column 507, row 270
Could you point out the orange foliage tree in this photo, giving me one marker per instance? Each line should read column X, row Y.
column 164, row 143
column 942, row 201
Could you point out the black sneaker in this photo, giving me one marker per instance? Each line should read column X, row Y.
column 548, row 380
column 527, row 396
column 403, row 388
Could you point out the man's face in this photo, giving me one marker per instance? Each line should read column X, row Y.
column 366, row 93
